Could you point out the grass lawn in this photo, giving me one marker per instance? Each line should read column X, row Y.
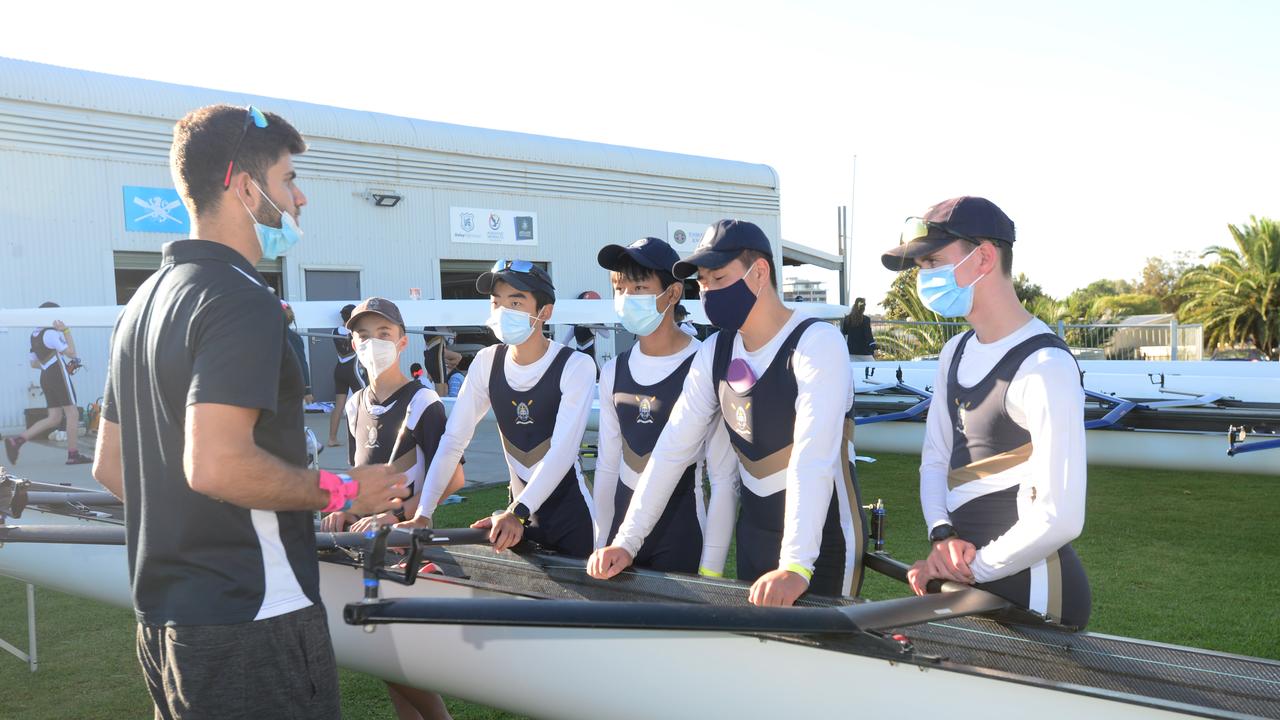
column 1184, row 558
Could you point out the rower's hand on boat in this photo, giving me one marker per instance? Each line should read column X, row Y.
column 608, row 561
column 779, row 588
column 417, row 522
column 381, row 489
column 949, row 560
column 372, row 522
column 505, row 530
column 337, row 521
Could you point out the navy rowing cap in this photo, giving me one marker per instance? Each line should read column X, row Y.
column 962, row 217
column 649, row 252
column 376, row 306
column 534, row 279
column 721, row 243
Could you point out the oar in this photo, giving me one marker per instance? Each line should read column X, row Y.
column 878, row 615
column 402, row 538
column 110, row 534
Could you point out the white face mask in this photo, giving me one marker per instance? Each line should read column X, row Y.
column 377, row 355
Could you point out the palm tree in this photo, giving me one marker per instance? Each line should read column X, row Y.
column 905, row 342
column 1237, row 298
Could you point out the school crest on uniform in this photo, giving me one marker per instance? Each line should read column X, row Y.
column 372, row 440
column 523, row 415
column 646, row 410
column 742, row 423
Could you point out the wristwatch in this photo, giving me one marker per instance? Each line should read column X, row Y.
column 521, row 511
column 942, row 532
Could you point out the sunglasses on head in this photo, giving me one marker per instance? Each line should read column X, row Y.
column 520, row 266
column 252, row 116
column 917, row 228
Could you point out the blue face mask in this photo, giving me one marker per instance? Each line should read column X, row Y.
column 939, row 292
column 274, row 241
column 511, row 326
column 728, row 307
column 639, row 313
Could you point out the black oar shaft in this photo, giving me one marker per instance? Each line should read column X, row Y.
column 109, row 534
column 400, row 538
column 95, row 534
column 879, row 615
column 96, row 499
column 600, row 615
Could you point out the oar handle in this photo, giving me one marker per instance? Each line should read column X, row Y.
column 897, row 570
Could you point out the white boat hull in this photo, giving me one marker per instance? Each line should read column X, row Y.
column 1150, row 449
column 587, row 674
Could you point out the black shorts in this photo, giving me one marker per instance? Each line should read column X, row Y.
column 348, row 377
column 281, row 667
column 55, row 382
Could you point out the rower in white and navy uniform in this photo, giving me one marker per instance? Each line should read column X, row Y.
column 638, row 390
column 781, row 385
column 398, row 422
column 1003, row 473
column 540, row 391
column 53, row 353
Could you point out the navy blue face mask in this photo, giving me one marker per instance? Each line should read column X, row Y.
column 728, row 307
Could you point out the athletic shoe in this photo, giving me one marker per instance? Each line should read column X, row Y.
column 78, row 459
column 11, row 450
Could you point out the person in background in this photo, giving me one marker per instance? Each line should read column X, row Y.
column 682, row 321
column 53, row 353
column 584, row 337
column 299, row 349
column 856, row 327
column 348, row 376
column 438, row 360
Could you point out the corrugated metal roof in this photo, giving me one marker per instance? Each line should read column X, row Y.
column 39, row 83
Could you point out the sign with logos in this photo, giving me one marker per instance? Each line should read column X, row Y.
column 493, row 227
column 148, row 209
column 685, row 236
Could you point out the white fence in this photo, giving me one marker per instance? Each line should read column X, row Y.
column 916, row 340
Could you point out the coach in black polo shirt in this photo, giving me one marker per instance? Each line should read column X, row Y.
column 202, row 436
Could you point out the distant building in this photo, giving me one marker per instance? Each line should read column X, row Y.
column 801, row 290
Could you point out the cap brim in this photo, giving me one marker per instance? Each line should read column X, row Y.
column 902, row 257
column 610, row 255
column 352, row 322
column 711, row 259
column 519, row 281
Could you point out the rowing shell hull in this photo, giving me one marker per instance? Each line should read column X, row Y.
column 589, row 674
column 1151, row 449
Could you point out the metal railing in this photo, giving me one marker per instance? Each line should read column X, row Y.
column 920, row 340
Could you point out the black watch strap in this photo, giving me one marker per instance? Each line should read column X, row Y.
column 521, row 511
column 941, row 532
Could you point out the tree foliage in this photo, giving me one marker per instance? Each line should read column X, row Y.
column 1237, row 295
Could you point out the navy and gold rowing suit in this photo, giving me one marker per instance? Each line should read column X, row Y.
column 761, row 422
column 526, row 421
column 986, row 443
column 675, row 543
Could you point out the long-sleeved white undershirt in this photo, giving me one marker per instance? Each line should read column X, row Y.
column 722, row 462
column 825, row 393
column 1045, row 398
column 577, row 385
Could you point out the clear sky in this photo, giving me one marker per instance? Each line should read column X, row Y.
column 1109, row 130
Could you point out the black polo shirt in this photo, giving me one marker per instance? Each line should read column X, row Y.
column 205, row 328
